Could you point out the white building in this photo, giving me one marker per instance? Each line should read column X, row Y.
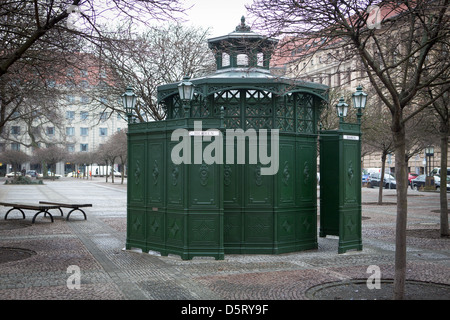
column 83, row 122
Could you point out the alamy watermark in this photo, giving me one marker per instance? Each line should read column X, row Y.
column 213, row 152
column 74, row 280
column 374, row 280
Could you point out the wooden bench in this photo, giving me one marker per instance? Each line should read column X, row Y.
column 74, row 207
column 40, row 208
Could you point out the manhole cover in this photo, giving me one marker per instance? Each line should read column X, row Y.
column 12, row 225
column 14, row 254
column 357, row 290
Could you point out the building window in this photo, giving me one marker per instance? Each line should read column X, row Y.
column 84, row 115
column 70, row 98
column 70, row 131
column 242, row 60
column 50, row 131
column 15, row 130
column 103, row 132
column 15, row 146
column 260, row 59
column 36, row 130
column 225, row 59
column 70, row 147
column 84, row 99
column 83, row 147
column 84, row 131
column 103, row 116
column 70, row 115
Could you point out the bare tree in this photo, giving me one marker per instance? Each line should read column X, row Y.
column 442, row 113
column 154, row 57
column 50, row 157
column 15, row 158
column 107, row 153
column 38, row 36
column 121, row 146
column 394, row 58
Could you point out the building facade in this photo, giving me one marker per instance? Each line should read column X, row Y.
column 333, row 65
column 83, row 117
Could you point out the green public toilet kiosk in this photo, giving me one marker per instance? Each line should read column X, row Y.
column 232, row 168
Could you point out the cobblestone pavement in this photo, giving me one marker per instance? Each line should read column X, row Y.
column 35, row 259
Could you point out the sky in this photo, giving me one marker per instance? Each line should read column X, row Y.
column 221, row 16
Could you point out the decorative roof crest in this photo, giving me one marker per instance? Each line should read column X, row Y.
column 242, row 27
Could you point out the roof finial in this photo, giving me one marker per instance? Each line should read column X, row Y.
column 242, row 27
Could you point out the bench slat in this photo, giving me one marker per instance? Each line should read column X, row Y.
column 67, row 205
column 28, row 206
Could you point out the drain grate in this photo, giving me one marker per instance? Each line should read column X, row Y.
column 14, row 254
column 357, row 289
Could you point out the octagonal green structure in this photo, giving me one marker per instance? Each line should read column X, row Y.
column 211, row 209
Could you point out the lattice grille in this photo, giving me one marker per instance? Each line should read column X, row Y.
column 258, row 109
column 199, row 108
column 285, row 114
column 231, row 103
column 177, row 108
column 305, row 113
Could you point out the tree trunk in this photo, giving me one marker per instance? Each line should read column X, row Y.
column 106, row 173
column 443, row 192
column 400, row 235
column 112, row 172
column 383, row 170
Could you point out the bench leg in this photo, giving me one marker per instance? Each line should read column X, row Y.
column 62, row 215
column 23, row 213
column 68, row 215
column 45, row 212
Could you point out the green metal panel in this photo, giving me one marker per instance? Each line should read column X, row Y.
column 172, row 208
column 340, row 186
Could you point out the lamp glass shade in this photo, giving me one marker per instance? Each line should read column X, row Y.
column 186, row 89
column 342, row 108
column 359, row 98
column 129, row 100
column 429, row 151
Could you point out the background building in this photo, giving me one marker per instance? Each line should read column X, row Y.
column 333, row 65
column 77, row 116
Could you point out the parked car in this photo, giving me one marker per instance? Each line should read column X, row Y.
column 418, row 182
column 437, row 172
column 388, row 181
column 438, row 184
column 12, row 174
column 50, row 174
column 365, row 176
column 32, row 173
column 411, row 176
